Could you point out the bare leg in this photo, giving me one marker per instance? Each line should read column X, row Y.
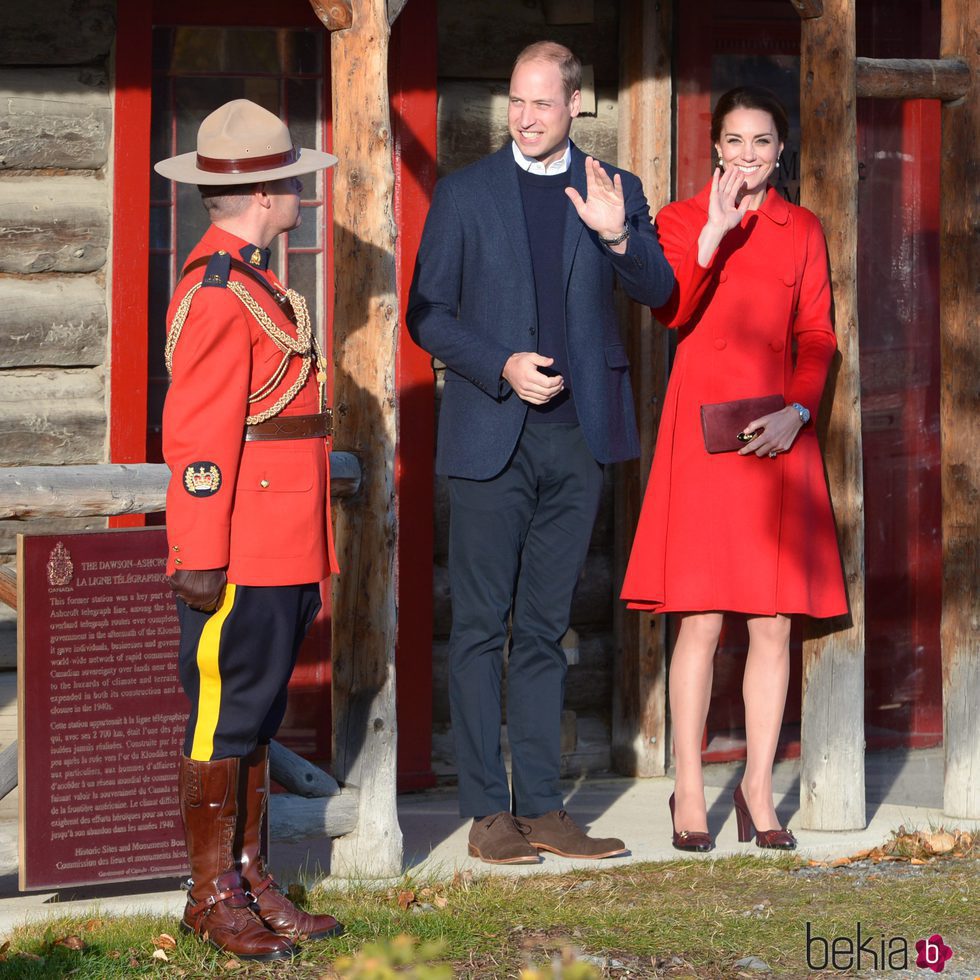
column 764, row 687
column 691, row 670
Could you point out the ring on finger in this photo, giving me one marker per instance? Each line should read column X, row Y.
column 772, row 454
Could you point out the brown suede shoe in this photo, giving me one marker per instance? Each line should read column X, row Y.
column 497, row 839
column 558, row 833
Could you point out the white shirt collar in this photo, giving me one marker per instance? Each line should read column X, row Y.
column 533, row 166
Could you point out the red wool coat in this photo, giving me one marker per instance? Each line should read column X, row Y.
column 727, row 532
column 262, row 512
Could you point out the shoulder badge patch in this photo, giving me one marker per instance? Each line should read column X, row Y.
column 218, row 270
column 202, row 479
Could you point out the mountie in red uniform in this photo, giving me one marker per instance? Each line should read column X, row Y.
column 245, row 433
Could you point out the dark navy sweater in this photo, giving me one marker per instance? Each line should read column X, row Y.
column 545, row 208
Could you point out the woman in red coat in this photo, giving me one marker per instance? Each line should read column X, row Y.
column 750, row 531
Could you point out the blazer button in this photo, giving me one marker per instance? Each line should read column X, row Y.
column 263, row 483
column 176, row 547
column 720, row 343
column 177, row 561
column 532, row 330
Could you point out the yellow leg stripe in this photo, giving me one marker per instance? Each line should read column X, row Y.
column 209, row 679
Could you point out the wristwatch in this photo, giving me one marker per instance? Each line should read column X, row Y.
column 804, row 413
column 620, row 238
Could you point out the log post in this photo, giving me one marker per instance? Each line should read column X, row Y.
column 639, row 688
column 946, row 79
column 365, row 347
column 959, row 628
column 832, row 730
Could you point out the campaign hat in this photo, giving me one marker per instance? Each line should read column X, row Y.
column 242, row 143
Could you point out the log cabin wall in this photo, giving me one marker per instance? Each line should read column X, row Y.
column 478, row 41
column 55, row 138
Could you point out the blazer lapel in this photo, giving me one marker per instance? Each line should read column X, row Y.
column 506, row 194
column 574, row 225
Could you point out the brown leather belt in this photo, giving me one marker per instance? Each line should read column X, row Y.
column 292, row 427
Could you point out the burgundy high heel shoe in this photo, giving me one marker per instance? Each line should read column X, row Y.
column 780, row 839
column 688, row 840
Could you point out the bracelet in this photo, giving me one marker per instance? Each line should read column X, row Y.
column 619, row 239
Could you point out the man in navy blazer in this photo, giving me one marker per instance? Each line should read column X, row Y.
column 513, row 292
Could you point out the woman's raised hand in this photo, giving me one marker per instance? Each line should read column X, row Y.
column 723, row 212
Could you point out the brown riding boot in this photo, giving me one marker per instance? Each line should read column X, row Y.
column 219, row 909
column 276, row 911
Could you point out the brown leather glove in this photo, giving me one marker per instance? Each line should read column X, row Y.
column 200, row 588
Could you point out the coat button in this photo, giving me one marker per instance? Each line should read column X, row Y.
column 532, row 331
column 176, row 547
column 263, row 483
column 720, row 343
column 177, row 561
column 776, row 345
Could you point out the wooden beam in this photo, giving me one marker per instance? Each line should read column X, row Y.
column 365, row 347
column 947, row 79
column 335, row 15
column 959, row 401
column 832, row 736
column 639, row 745
column 111, row 489
column 295, row 775
column 298, row 818
column 808, row 9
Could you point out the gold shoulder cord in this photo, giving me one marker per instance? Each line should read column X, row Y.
column 304, row 345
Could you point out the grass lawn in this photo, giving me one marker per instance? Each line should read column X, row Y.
column 684, row 918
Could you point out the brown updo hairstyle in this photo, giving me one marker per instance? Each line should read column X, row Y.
column 749, row 97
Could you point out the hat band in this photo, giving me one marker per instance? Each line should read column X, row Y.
column 247, row 165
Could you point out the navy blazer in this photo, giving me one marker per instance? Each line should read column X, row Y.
column 472, row 304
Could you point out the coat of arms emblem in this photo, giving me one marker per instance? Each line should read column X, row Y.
column 60, row 567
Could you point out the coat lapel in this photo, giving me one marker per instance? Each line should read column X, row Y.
column 573, row 223
column 506, row 194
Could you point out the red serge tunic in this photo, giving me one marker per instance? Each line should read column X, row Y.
column 727, row 532
column 266, row 514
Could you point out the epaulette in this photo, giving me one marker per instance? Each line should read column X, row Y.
column 218, row 270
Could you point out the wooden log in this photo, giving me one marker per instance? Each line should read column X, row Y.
column 57, row 32
column 53, row 224
column 54, row 118
column 832, row 738
column 365, row 352
column 52, row 416
column 298, row 818
column 808, row 8
column 8, row 586
column 111, row 489
column 54, row 321
column 64, row 525
column 959, row 401
column 472, row 122
column 295, row 775
column 946, row 79
column 481, row 38
column 640, row 679
column 8, row 769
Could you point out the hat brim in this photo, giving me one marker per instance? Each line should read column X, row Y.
column 184, row 169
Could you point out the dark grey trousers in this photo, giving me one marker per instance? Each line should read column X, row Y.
column 516, row 541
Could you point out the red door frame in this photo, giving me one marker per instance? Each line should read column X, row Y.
column 412, row 81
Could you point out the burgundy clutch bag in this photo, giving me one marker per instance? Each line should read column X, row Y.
column 723, row 421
